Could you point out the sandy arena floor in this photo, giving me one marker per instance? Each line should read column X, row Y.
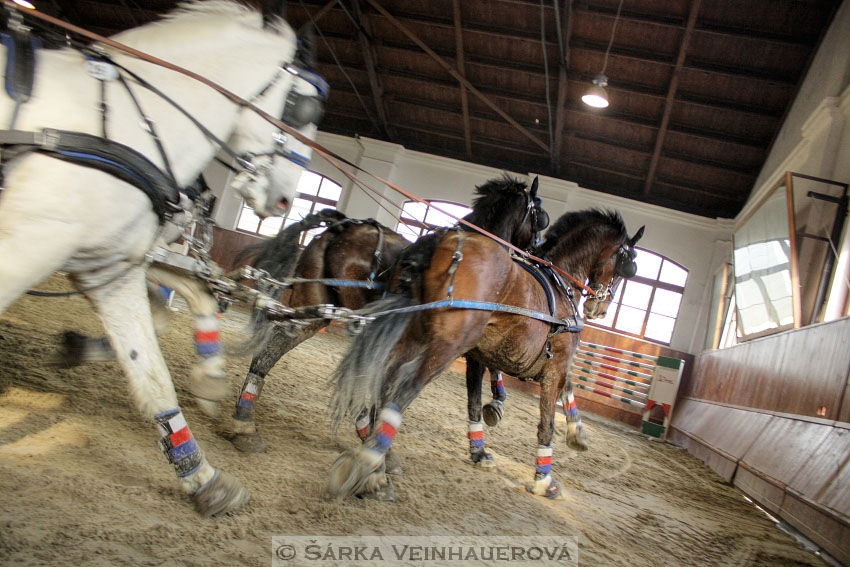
column 83, row 483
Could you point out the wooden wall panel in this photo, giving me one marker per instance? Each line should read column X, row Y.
column 731, row 431
column 794, row 372
column 828, row 531
column 784, row 446
column 837, row 495
column 815, row 368
column 817, row 478
column 227, row 244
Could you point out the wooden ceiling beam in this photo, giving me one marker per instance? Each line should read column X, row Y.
column 679, row 186
column 710, row 103
column 656, row 58
column 645, row 55
column 453, row 72
column 317, row 17
column 566, row 24
column 671, row 95
column 786, row 39
column 363, row 33
column 578, row 108
column 461, row 67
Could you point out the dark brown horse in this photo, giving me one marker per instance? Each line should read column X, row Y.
column 404, row 348
column 353, row 252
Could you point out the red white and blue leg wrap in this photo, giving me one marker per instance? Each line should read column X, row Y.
column 571, row 409
column 207, row 341
column 389, row 421
column 476, row 437
column 497, row 386
column 362, row 424
column 177, row 442
column 251, row 389
column 544, row 461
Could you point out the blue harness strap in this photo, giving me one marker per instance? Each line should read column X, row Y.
column 571, row 323
column 20, row 64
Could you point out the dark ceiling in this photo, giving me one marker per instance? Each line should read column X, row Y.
column 698, row 90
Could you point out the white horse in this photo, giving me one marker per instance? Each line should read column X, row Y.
column 56, row 214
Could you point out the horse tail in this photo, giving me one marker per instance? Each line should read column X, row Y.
column 361, row 376
column 278, row 257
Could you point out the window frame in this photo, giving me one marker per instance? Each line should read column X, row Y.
column 654, row 284
column 423, row 227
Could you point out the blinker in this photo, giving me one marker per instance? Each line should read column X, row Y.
column 626, row 266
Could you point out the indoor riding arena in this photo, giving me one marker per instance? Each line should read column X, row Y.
column 674, row 283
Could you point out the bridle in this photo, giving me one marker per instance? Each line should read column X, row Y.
column 625, row 268
column 539, row 217
column 299, row 110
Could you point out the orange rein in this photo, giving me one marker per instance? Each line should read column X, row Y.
column 330, row 156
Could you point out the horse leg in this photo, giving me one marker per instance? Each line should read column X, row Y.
column 247, row 438
column 363, row 428
column 125, row 313
column 493, row 410
column 362, row 471
column 477, row 453
column 77, row 349
column 544, row 484
column 208, row 379
column 576, row 437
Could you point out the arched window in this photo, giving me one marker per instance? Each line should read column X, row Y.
column 315, row 192
column 647, row 305
column 419, row 218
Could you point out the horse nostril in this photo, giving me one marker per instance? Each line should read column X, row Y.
column 283, row 204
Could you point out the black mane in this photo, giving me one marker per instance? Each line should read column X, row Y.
column 492, row 211
column 558, row 236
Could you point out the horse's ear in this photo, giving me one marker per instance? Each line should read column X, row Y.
column 534, row 185
column 307, row 48
column 273, row 9
column 637, row 236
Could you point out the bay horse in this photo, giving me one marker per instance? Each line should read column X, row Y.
column 364, row 251
column 396, row 355
column 98, row 148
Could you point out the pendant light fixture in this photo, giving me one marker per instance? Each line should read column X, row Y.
column 596, row 95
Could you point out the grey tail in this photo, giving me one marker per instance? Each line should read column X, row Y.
column 360, row 378
column 277, row 256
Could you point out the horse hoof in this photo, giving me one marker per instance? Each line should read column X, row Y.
column 546, row 487
column 492, row 413
column 76, row 349
column 209, row 408
column 249, row 443
column 221, row 495
column 383, row 493
column 392, row 462
column 577, row 441
column 351, row 471
column 208, row 392
column 484, row 460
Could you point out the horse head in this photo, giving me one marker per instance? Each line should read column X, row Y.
column 296, row 95
column 616, row 262
column 507, row 208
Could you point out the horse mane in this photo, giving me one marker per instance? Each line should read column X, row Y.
column 559, row 238
column 497, row 197
column 201, row 11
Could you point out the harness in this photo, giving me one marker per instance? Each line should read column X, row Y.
column 122, row 161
